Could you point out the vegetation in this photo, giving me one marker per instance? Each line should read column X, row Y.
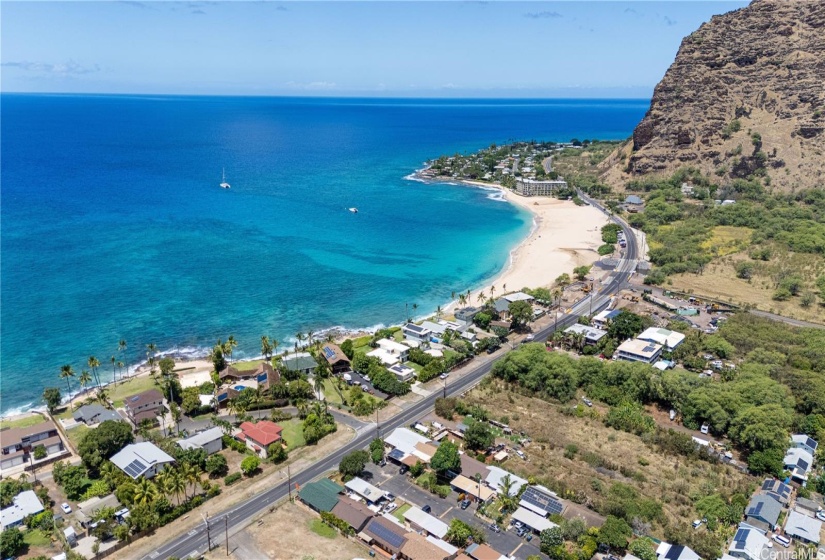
column 353, row 463
column 446, row 458
column 104, row 441
column 459, row 533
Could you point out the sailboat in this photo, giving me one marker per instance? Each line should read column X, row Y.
column 353, row 210
column 224, row 184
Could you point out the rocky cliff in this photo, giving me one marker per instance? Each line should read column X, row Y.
column 745, row 97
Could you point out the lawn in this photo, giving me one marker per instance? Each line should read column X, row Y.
column 247, row 366
column 322, row 529
column 24, row 422
column 118, row 393
column 36, row 537
column 293, row 433
column 399, row 513
column 76, row 434
column 331, row 392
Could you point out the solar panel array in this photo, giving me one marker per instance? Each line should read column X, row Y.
column 329, row 353
column 396, row 454
column 650, row 348
column 386, row 535
column 540, row 500
column 741, row 537
column 811, row 442
column 135, row 468
column 802, row 464
column 755, row 510
column 767, row 485
column 777, row 489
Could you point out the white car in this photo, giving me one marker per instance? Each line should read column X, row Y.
column 66, row 507
column 705, row 428
column 443, row 376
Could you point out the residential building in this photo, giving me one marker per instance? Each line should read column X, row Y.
column 86, row 510
column 372, row 494
column 542, row 501
column 259, row 436
column 416, row 332
column 94, row 413
column 633, row 203
column 420, row 520
column 532, row 187
column 778, row 490
column 322, row 495
column 799, row 462
column 806, row 506
column 803, row 528
column 142, row 459
column 803, row 441
column 639, row 351
column 483, row 552
column 18, row 443
column 24, row 504
column 210, row 440
column 355, row 514
column 664, row 337
column 602, row 320
column 145, row 406
column 534, row 521
column 443, row 545
column 470, row 466
column 266, row 375
column 477, row 490
column 385, row 533
column 667, row 551
column 417, row 547
column 496, row 475
column 763, row 512
column 404, row 440
column 336, row 358
column 402, row 373
column 592, row 335
column 302, row 362
column 518, row 296
column 749, row 543
column 466, row 314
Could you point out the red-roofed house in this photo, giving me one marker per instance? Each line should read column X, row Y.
column 258, row 437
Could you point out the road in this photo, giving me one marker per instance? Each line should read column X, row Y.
column 195, row 541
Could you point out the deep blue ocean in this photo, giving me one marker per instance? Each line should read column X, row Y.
column 114, row 227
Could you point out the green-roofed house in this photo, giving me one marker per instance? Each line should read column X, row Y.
column 321, row 495
column 302, row 362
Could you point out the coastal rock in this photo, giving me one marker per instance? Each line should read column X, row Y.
column 745, row 95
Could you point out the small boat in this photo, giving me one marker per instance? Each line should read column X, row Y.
column 353, row 210
column 224, row 184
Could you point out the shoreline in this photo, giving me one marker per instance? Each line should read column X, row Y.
column 562, row 237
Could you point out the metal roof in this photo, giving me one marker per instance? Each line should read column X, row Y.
column 804, row 527
column 532, row 519
column 431, row 524
column 321, row 495
column 24, row 504
column 136, row 458
column 764, row 507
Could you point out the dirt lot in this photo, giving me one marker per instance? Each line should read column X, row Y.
column 602, row 457
column 285, row 534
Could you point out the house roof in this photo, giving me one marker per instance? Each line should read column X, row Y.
column 16, row 435
column 93, row 413
column 264, row 432
column 86, row 510
column 364, row 489
column 301, row 361
column 418, row 547
column 749, row 541
column 333, row 354
column 24, row 504
column 633, row 199
column 443, row 545
column 518, row 296
column 806, row 504
column 802, row 526
column 404, row 439
column 471, row 487
column 667, row 551
column 390, row 535
column 356, row 514
column 142, row 399
column 665, row 337
column 806, row 440
column 798, row 460
column 470, row 466
column 541, row 500
column 200, row 439
column 425, row 451
column 432, row 525
column 639, row 347
column 532, row 520
column 437, row 328
column 322, row 495
column 392, row 346
column 137, row 458
column 495, row 476
column 590, row 333
column 764, row 507
column 483, row 552
column 606, row 314
column 386, row 358
column 419, row 330
column 776, row 489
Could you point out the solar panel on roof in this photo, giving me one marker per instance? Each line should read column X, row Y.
column 803, row 464
column 756, row 509
column 135, row 468
column 811, row 442
column 767, row 485
column 542, row 501
column 386, row 535
column 328, row 352
column 741, row 537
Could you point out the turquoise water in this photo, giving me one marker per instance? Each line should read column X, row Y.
column 113, row 225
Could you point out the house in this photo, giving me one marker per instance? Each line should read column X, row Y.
column 385, row 533
column 24, row 504
column 390, row 352
column 420, row 520
column 145, row 406
column 778, row 490
column 602, row 320
column 483, row 552
column 404, row 440
column 210, row 440
column 372, row 494
column 472, row 488
column 259, row 436
column 302, row 362
column 763, row 512
column 470, row 466
column 142, row 459
column 18, row 443
column 266, row 375
column 639, row 351
column 539, row 499
column 226, row 395
column 749, row 543
column 402, row 373
column 495, row 476
column 664, row 337
column 633, row 203
column 95, row 414
column 322, row 495
column 336, row 358
column 806, row 506
column 355, row 514
column 534, row 521
column 86, row 510
column 592, row 335
column 416, row 332
column 799, row 462
column 803, row 528
column 803, row 441
column 443, row 545
column 424, row 452
column 466, row 314
column 418, row 547
column 667, row 551
column 518, row 296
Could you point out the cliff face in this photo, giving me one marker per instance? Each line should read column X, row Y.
column 745, row 96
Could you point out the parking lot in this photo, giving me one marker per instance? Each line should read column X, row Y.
column 401, row 485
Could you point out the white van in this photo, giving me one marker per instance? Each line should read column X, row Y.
column 705, row 428
column 672, row 415
column 784, row 541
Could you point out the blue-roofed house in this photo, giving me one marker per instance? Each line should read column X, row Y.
column 799, row 462
column 601, row 320
column 763, row 512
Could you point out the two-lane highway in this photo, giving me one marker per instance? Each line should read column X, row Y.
column 195, row 541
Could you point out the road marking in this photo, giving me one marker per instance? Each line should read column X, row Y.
column 155, row 554
column 192, row 533
column 446, row 512
column 515, row 549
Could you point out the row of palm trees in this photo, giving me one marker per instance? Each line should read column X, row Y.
column 465, row 298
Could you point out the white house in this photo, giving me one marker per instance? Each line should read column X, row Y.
column 416, row 332
column 749, row 543
column 23, row 505
column 799, row 462
column 639, row 351
column 664, row 337
column 370, row 493
column 592, row 335
column 496, row 475
column 601, row 320
column 210, row 440
column 141, row 459
column 402, row 373
column 803, row 528
column 803, row 441
column 421, row 520
column 404, row 439
column 533, row 520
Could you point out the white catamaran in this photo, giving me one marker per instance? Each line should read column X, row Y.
column 224, row 184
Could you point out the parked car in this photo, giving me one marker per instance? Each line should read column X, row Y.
column 465, row 504
column 587, row 401
column 820, row 515
column 521, row 531
column 390, row 497
column 443, row 376
column 403, row 469
column 495, row 528
column 784, row 541
column 697, row 523
column 705, row 428
column 426, row 508
column 389, row 508
column 672, row 415
column 529, row 537
column 66, row 507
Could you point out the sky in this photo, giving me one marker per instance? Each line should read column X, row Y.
column 340, row 48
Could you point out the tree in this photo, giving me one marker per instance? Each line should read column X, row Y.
column 216, row 465
column 768, row 461
column 446, row 458
column 250, row 464
column 521, row 312
column 550, row 539
column 460, row 532
column 353, row 463
column 615, row 532
column 478, row 436
column 84, row 379
column 94, row 363
column 377, row 450
column 277, row 453
column 581, row 272
column 52, row 397
column 144, row 492
column 104, row 441
column 40, row 452
column 625, row 325
column 66, row 372
column 11, row 541
column 643, row 549
column 347, row 349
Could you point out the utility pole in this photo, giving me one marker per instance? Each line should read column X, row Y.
column 289, row 482
column 445, row 387
column 377, row 426
column 208, row 540
column 226, row 529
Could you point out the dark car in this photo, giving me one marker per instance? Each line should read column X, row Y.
column 403, row 469
column 427, row 509
column 465, row 504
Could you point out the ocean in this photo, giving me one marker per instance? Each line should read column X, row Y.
column 113, row 225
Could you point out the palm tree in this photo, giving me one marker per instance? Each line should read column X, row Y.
column 114, row 372
column 94, row 363
column 266, row 347
column 121, row 347
column 231, row 344
column 121, row 366
column 151, row 348
column 505, row 491
column 492, row 292
column 274, row 343
column 438, row 312
column 300, row 336
column 504, row 288
column 462, row 299
column 145, row 492
column 190, row 474
column 84, row 378
column 414, row 307
column 67, row 372
column 310, row 335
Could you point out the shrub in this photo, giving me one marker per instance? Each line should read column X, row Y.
column 216, row 465
column 232, row 478
column 232, row 443
column 250, row 464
